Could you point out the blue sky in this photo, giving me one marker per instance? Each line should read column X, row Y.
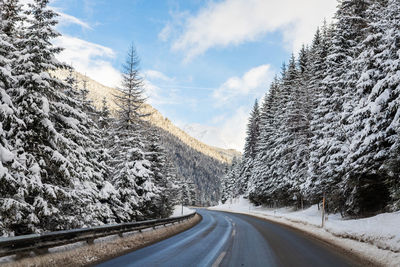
column 205, row 62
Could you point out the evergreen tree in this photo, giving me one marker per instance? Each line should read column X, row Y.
column 225, row 187
column 302, row 100
column 104, row 115
column 131, row 169
column 253, row 132
column 162, row 177
column 54, row 134
column 330, row 125
column 263, row 163
column 283, row 149
column 130, row 98
column 16, row 214
column 333, row 109
column 318, row 69
column 71, row 89
column 373, row 148
column 230, row 181
column 83, row 96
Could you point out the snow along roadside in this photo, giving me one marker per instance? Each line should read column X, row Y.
column 335, row 232
column 106, row 248
column 178, row 211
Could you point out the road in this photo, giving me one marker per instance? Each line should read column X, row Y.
column 227, row 239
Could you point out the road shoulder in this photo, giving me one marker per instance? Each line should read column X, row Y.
column 365, row 253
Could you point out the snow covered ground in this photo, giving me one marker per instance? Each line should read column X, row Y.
column 178, row 211
column 376, row 238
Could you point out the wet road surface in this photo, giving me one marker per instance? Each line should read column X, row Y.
column 227, row 239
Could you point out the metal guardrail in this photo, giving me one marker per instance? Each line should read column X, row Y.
column 40, row 243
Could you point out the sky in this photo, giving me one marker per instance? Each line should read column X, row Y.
column 204, row 62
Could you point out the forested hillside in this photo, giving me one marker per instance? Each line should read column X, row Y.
column 329, row 124
column 195, row 167
column 63, row 163
column 97, row 92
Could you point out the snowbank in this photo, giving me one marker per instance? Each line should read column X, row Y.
column 381, row 232
column 178, row 211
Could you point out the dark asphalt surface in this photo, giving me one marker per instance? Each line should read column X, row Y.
column 226, row 239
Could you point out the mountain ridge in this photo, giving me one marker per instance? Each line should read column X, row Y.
column 98, row 91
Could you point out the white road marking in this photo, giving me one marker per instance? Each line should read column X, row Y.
column 219, row 259
column 208, row 259
column 233, row 232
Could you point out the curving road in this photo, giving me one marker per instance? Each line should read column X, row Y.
column 227, row 239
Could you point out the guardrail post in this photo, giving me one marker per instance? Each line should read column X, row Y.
column 90, row 241
column 41, row 251
column 21, row 255
column 120, row 234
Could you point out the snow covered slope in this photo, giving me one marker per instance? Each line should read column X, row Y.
column 178, row 211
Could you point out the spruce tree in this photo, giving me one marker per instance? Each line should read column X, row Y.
column 16, row 213
column 263, row 163
column 375, row 118
column 131, row 169
column 283, row 150
column 330, row 125
column 253, row 132
column 55, row 135
column 318, row 68
column 161, row 204
column 333, row 108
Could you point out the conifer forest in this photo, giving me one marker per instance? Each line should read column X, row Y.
column 64, row 163
column 329, row 124
column 327, row 127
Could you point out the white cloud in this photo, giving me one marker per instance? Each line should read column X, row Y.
column 177, row 21
column 166, row 95
column 230, row 130
column 157, row 75
column 156, row 96
column 218, row 119
column 165, row 32
column 90, row 59
column 65, row 19
column 255, row 81
column 230, row 134
column 94, row 60
column 152, row 92
column 233, row 129
column 228, row 22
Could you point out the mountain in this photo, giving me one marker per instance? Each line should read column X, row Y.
column 206, row 134
column 212, row 136
column 98, row 91
column 194, row 161
column 203, row 171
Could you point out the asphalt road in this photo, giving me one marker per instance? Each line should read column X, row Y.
column 226, row 239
